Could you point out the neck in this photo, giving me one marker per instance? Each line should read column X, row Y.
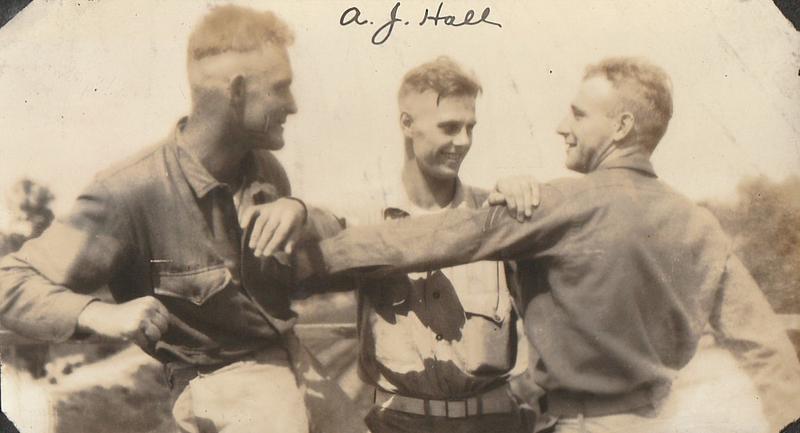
column 615, row 153
column 209, row 140
column 425, row 191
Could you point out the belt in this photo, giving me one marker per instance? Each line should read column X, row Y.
column 497, row 400
column 571, row 404
column 178, row 373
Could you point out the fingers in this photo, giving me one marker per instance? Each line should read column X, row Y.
column 496, row 198
column 536, row 193
column 151, row 332
column 522, row 201
column 294, row 236
column 521, row 196
column 264, row 236
column 263, row 220
column 280, row 235
column 527, row 208
column 246, row 216
column 531, row 196
column 140, row 339
column 160, row 321
column 277, row 225
column 152, row 322
column 511, row 205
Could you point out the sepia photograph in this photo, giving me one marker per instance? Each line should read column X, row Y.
column 236, row 216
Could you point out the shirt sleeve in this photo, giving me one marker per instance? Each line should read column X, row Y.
column 745, row 324
column 45, row 285
column 322, row 224
column 436, row 241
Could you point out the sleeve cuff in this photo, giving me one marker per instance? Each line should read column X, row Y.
column 64, row 323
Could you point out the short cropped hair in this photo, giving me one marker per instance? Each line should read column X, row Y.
column 443, row 76
column 236, row 28
column 645, row 89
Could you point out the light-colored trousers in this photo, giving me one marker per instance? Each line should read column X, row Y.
column 268, row 392
column 712, row 394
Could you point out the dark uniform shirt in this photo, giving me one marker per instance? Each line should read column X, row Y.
column 158, row 225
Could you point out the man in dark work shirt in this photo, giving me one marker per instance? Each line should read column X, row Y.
column 178, row 234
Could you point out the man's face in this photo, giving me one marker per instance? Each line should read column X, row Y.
column 589, row 126
column 268, row 99
column 441, row 135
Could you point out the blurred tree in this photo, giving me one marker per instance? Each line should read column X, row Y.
column 28, row 203
column 28, row 206
column 764, row 222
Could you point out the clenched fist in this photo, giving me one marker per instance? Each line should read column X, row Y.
column 142, row 320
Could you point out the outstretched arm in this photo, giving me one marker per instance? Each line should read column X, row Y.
column 435, row 241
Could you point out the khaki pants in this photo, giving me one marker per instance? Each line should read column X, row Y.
column 255, row 395
column 268, row 392
column 710, row 395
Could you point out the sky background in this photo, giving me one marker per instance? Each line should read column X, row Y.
column 84, row 84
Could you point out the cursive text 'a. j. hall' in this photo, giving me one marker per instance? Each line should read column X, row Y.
column 354, row 16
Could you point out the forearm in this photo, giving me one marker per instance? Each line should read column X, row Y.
column 33, row 306
column 321, row 224
column 43, row 286
column 746, row 324
column 420, row 244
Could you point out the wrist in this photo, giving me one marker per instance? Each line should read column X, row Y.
column 92, row 316
column 303, row 204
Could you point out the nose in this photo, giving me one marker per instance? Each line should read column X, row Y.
column 563, row 127
column 462, row 139
column 291, row 105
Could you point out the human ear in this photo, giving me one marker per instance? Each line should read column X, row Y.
column 236, row 93
column 237, row 89
column 405, row 123
column 625, row 125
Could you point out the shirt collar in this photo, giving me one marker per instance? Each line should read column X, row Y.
column 200, row 180
column 630, row 158
column 398, row 203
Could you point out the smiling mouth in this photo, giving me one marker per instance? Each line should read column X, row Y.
column 452, row 156
column 274, row 125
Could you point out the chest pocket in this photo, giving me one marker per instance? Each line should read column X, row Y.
column 481, row 288
column 193, row 286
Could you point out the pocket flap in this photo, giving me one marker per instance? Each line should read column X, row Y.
column 194, row 286
column 482, row 289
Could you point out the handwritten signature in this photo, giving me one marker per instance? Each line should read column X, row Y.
column 353, row 15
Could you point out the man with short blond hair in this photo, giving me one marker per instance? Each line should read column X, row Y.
column 438, row 346
column 178, row 234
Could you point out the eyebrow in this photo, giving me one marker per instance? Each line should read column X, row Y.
column 456, row 122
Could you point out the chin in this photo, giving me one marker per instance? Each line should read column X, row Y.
column 271, row 143
column 580, row 168
column 445, row 174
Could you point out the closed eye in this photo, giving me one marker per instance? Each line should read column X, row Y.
column 282, row 86
column 450, row 128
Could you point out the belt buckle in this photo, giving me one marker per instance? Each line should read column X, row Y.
column 449, row 413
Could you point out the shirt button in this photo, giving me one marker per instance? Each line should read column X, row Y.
column 436, row 295
column 497, row 317
column 439, row 337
